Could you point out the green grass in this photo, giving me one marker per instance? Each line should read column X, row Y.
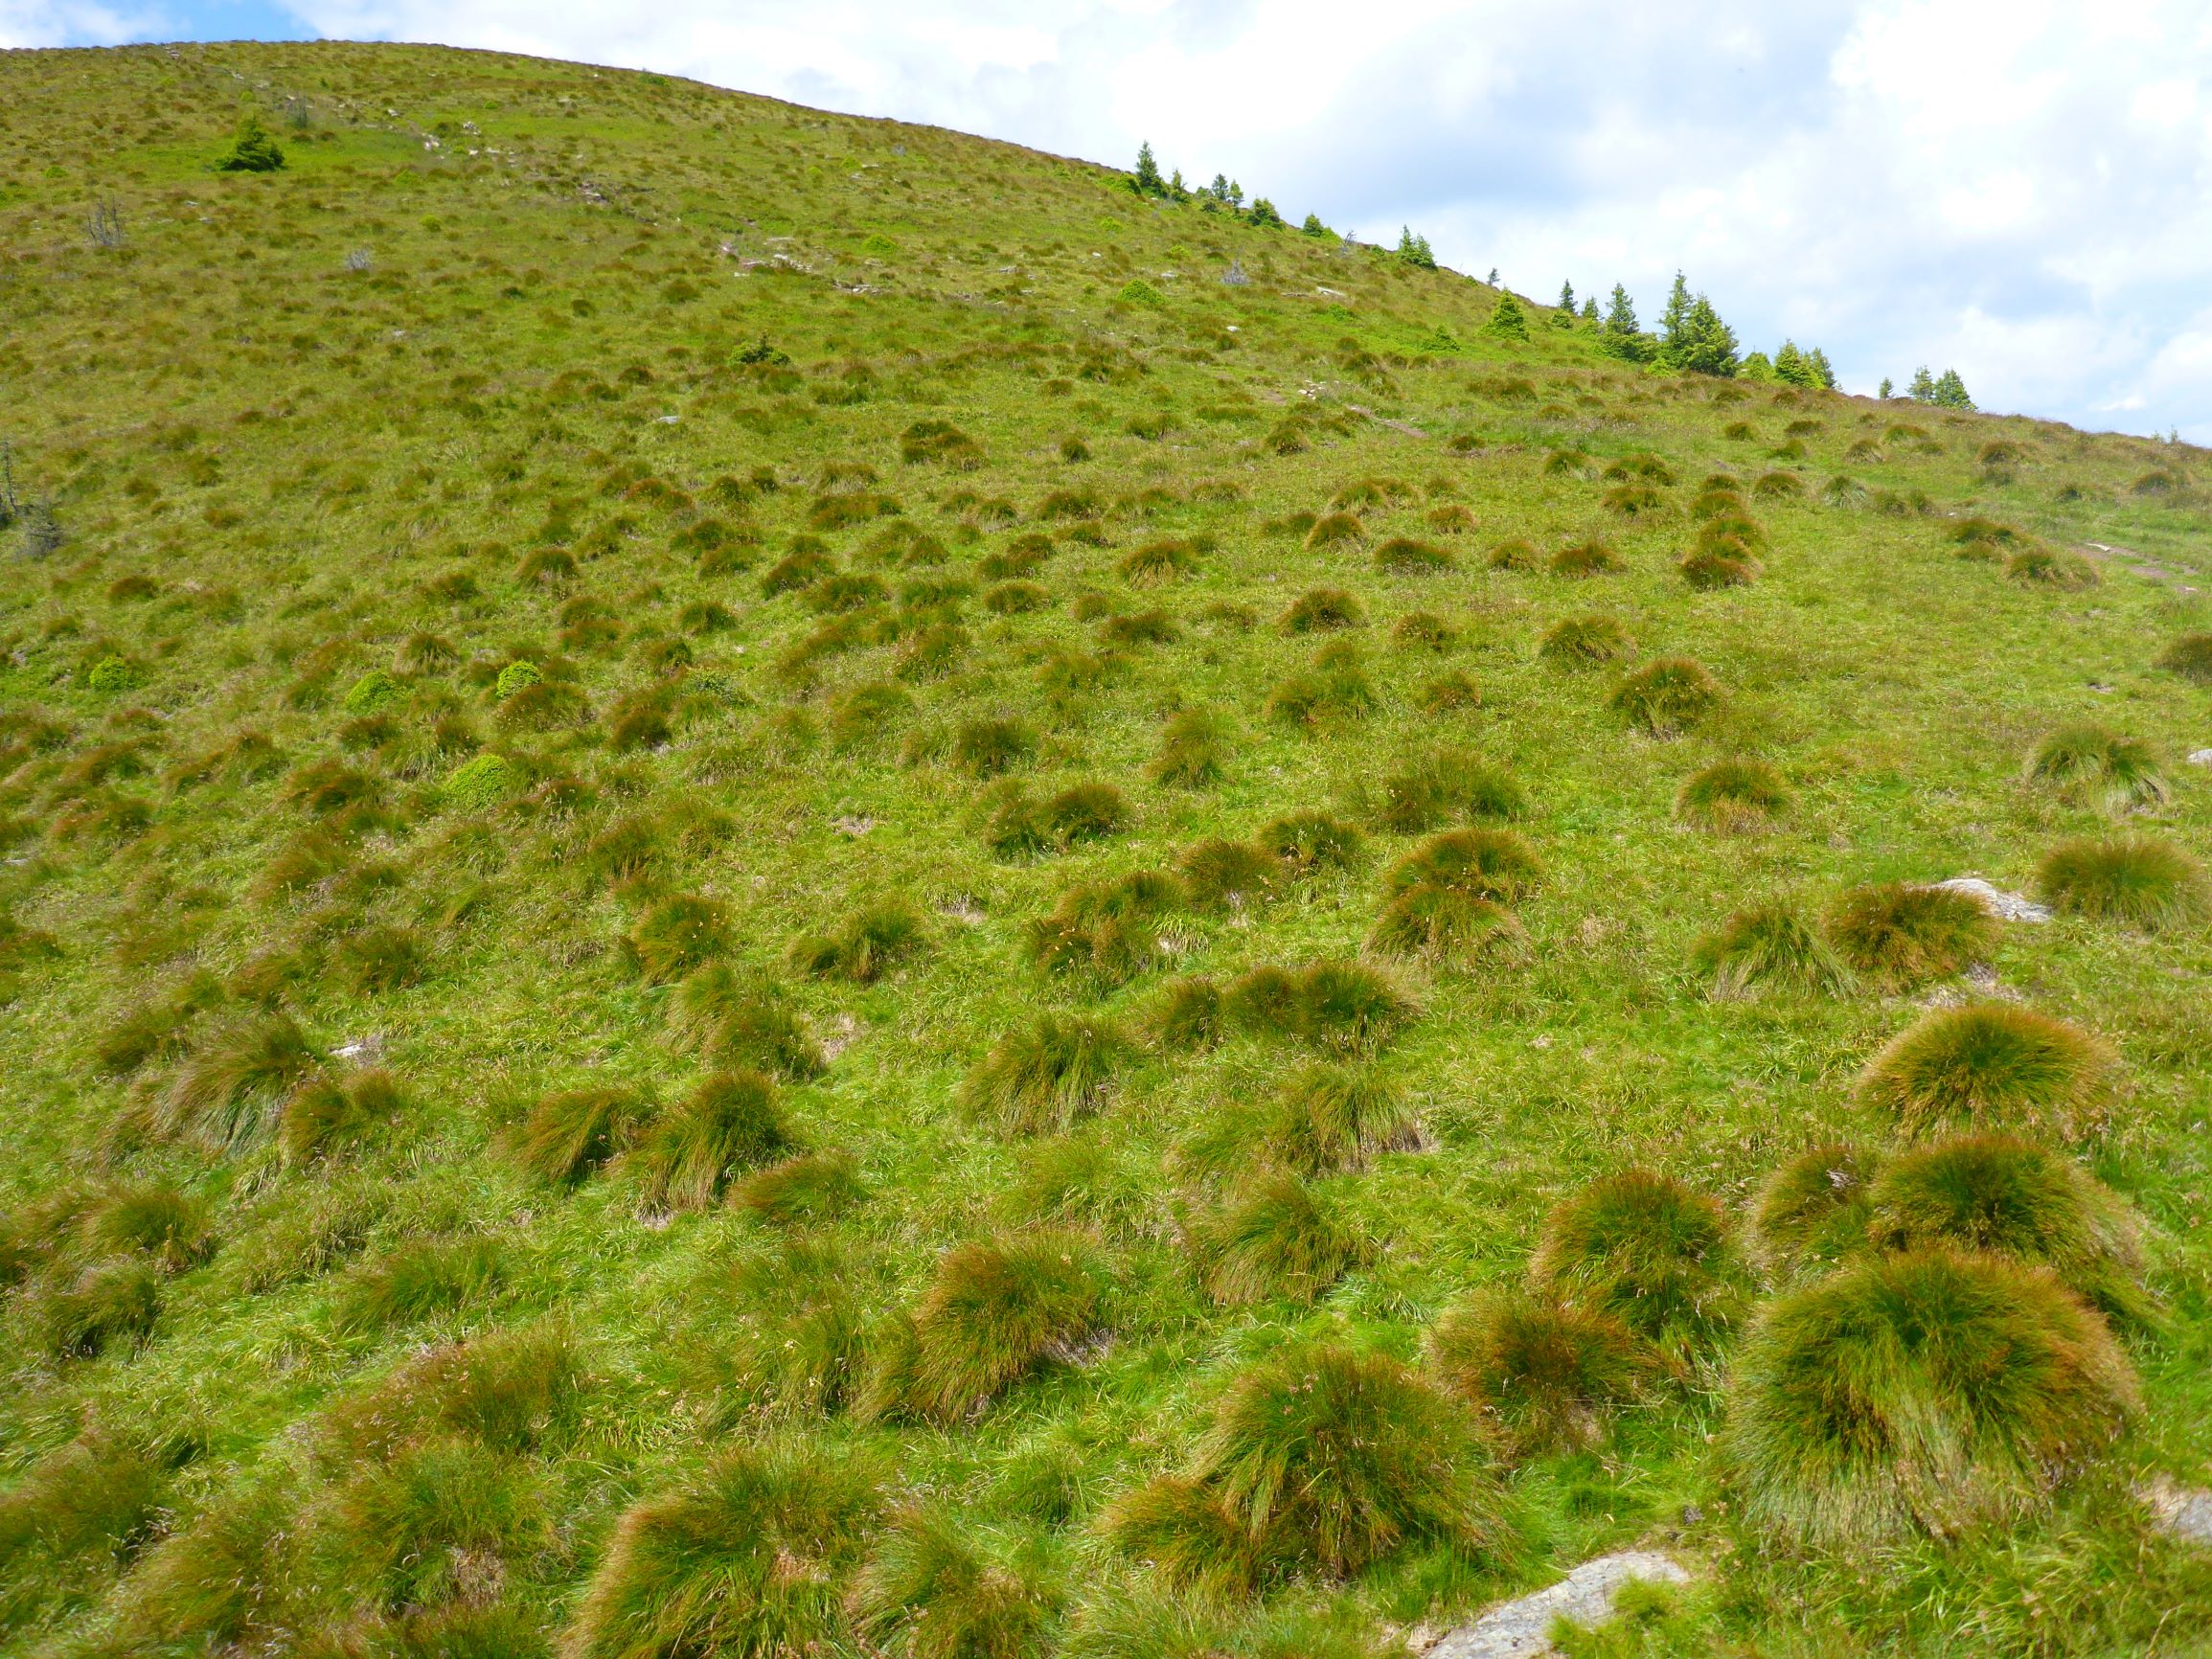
column 642, row 625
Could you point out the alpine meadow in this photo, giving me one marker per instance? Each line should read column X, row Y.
column 782, row 885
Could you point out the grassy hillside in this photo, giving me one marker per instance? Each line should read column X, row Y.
column 780, row 884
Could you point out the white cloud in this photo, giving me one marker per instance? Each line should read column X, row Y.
column 2014, row 186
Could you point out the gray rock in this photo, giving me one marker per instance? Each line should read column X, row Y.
column 1522, row 1630
column 2185, row 1512
column 2004, row 906
column 2201, row 757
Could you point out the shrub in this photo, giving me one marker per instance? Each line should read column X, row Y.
column 1448, row 784
column 1768, row 946
column 1646, row 1250
column 226, row 1093
column 747, row 1555
column 677, row 935
column 483, row 783
column 1900, row 935
column 1321, row 610
column 2146, row 881
column 1279, row 1239
column 1108, row 930
column 1730, row 797
column 1311, row 841
column 1926, row 1391
column 1995, row 1195
column 730, row 1124
column 418, row 1278
column 993, row 1313
column 568, row 1135
column 1231, row 875
column 1492, row 864
column 2096, row 766
column 1666, row 695
column 251, row 150
column 1331, row 1459
column 942, row 1592
column 1512, row 553
column 1035, row 1080
column 1588, row 639
column 1813, row 1212
column 986, row 748
column 1580, row 558
column 1547, row 1374
column 102, row 1304
column 1409, row 557
column 813, row 1187
column 1989, row 1064
column 2191, row 657
column 865, row 946
column 1328, row 1118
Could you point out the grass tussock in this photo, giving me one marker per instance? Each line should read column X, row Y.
column 1546, row 1375
column 1733, row 797
column 1577, row 640
column 420, row 1279
column 1042, row 1077
column 571, row 1134
column 1767, row 948
column 752, row 1553
column 1448, row 784
column 732, row 1122
column 870, row 944
column 811, row 1188
column 1922, row 1391
column 1813, row 1212
column 2143, row 881
column 1279, row 1238
column 1497, row 865
column 937, row 1587
column 2189, row 656
column 1331, row 1120
column 1667, row 697
column 2096, row 766
column 1990, row 1065
column 677, row 935
column 1447, row 925
column 993, row 1313
column 1345, row 1006
column 733, row 1021
column 1310, row 842
column 1646, row 1250
column 1193, row 750
column 1107, row 930
column 228, row 1093
column 1222, row 874
column 1899, row 935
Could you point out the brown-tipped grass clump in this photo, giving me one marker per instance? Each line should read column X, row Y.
column 1308, row 842
column 993, row 1313
column 1585, row 558
column 230, row 1089
column 2096, row 766
column 1322, row 610
column 1220, row 875
column 865, row 946
column 1767, row 948
column 568, row 1135
column 1448, row 783
column 813, row 1187
column 1447, row 925
column 1997, row 1195
column 1579, row 640
column 1649, row 1252
column 1040, row 1077
column 1193, row 748
column 1514, row 554
column 1494, row 864
column 2051, row 567
column 1180, row 1527
column 1922, row 1391
column 1278, row 1239
column 1546, row 1374
column 735, row 1022
column 2143, row 881
column 678, row 934
column 1900, row 935
column 1813, row 1212
column 1345, row 1006
column 1667, row 695
column 1990, row 1065
column 1732, row 797
column 1327, row 1120
column 750, row 1554
column 938, row 1588
column 1331, row 1459
column 1107, row 930
column 732, row 1122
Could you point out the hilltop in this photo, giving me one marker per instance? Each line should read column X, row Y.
column 779, row 883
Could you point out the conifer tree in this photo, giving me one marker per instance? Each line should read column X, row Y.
column 1590, row 312
column 1706, row 346
column 1508, row 321
column 1148, row 180
column 1887, row 388
column 1923, row 387
column 1414, row 250
column 1313, row 227
column 1951, row 391
column 1565, row 316
column 1756, row 366
column 1675, row 318
column 1620, row 335
column 1823, row 373
column 1789, row 365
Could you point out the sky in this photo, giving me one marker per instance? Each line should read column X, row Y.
column 2021, row 191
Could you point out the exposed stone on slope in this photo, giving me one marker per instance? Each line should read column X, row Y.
column 1522, row 1628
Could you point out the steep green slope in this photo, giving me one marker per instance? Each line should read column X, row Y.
column 719, row 850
